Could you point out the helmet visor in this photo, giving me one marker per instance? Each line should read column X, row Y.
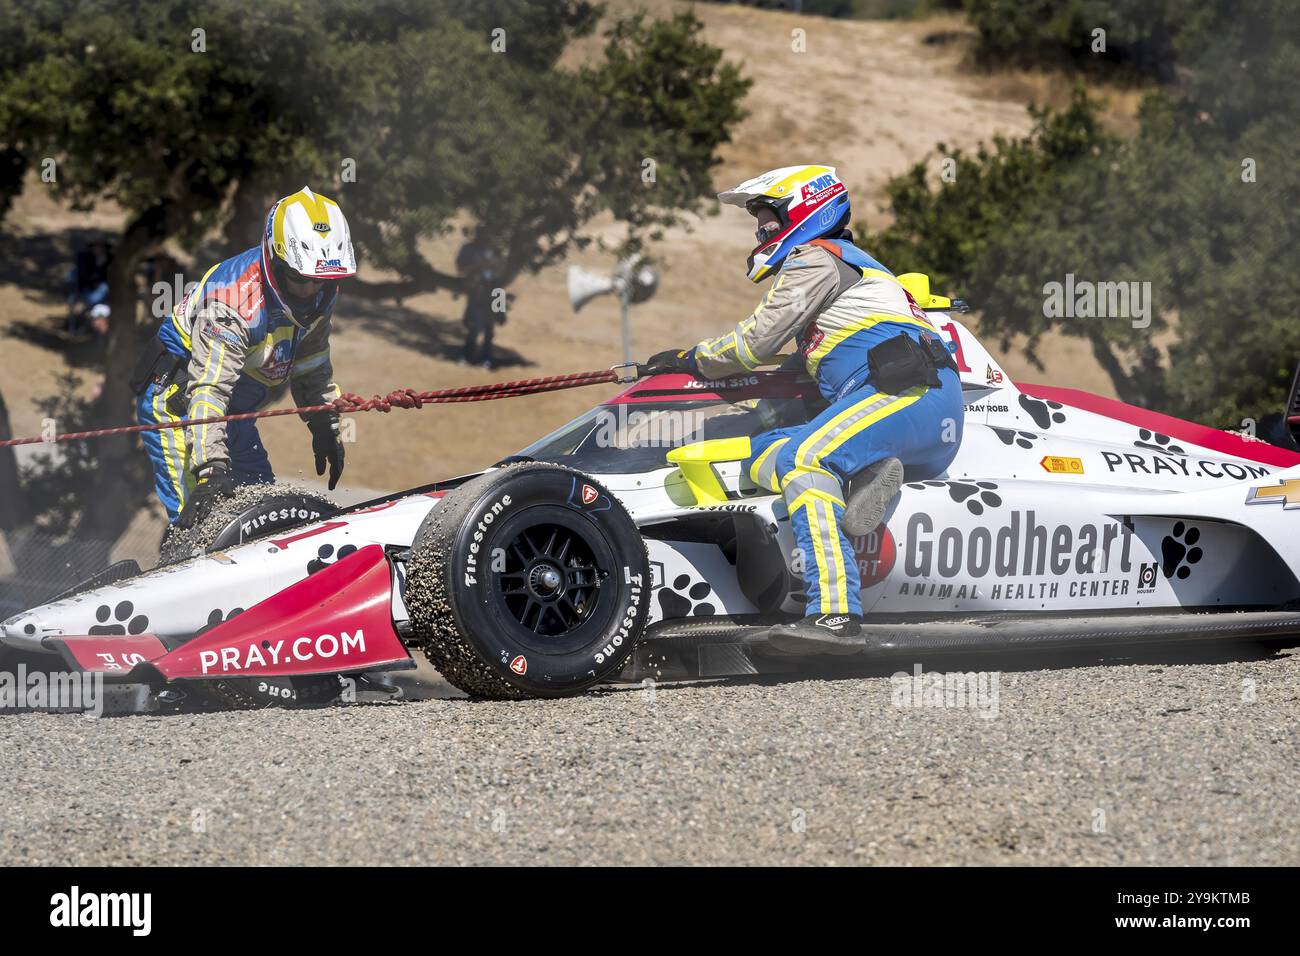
column 773, row 224
column 766, row 230
column 303, row 294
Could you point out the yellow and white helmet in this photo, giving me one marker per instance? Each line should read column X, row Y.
column 307, row 233
column 809, row 201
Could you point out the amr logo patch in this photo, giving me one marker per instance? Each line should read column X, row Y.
column 519, row 665
column 1178, row 551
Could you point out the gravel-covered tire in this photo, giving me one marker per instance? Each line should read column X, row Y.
column 528, row 581
column 251, row 513
column 254, row 512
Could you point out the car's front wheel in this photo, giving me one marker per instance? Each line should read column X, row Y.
column 528, row 581
column 252, row 513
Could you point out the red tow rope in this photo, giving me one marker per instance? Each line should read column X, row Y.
column 348, row 402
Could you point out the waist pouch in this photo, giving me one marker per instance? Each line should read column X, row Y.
column 902, row 362
column 158, row 366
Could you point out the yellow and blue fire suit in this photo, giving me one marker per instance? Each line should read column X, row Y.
column 838, row 303
column 237, row 345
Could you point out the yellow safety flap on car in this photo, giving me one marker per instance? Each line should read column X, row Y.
column 918, row 285
column 697, row 460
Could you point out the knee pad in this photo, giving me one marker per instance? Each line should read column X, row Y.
column 822, row 484
column 765, row 470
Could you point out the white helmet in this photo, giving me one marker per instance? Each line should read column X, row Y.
column 809, row 202
column 308, row 234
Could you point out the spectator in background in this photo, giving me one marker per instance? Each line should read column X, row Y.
column 479, row 265
column 99, row 315
column 88, row 290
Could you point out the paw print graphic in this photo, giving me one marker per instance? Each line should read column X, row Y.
column 123, row 621
column 931, row 483
column 1044, row 414
column 1009, row 436
column 1157, row 442
column 977, row 496
column 325, row 556
column 1178, row 551
column 217, row 616
column 680, row 599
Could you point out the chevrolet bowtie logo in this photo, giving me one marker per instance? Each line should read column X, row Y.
column 1287, row 492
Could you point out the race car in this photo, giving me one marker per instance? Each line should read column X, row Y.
column 629, row 544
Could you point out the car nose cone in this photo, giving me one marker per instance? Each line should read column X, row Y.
column 23, row 631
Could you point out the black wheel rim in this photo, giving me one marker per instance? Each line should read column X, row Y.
column 552, row 587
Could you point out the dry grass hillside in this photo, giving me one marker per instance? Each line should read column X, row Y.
column 868, row 97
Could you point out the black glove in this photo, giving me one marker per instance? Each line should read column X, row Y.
column 327, row 444
column 216, row 481
column 673, row 360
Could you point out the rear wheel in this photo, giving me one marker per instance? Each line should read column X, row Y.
column 529, row 581
column 252, row 513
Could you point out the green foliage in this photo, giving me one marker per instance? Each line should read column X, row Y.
column 444, row 107
column 1149, row 37
column 1239, row 339
column 943, row 230
column 186, row 113
column 532, row 152
column 1174, row 207
column 130, row 112
column 671, row 99
column 1139, row 34
column 857, row 9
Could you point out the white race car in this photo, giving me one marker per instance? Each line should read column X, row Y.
column 629, row 544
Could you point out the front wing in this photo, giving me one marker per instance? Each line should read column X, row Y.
column 336, row 621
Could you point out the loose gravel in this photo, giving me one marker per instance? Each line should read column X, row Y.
column 182, row 543
column 1156, row 760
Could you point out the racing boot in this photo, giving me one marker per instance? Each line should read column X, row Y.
column 820, row 634
column 866, row 506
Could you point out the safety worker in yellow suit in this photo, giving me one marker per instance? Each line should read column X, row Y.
column 256, row 323
column 893, row 390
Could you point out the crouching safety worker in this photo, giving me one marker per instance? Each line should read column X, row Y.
column 894, row 394
column 254, row 324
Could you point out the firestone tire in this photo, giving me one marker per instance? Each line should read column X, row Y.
column 252, row 513
column 528, row 581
